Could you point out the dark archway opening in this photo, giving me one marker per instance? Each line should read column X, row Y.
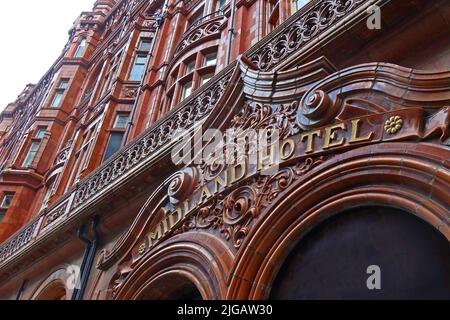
column 172, row 288
column 331, row 261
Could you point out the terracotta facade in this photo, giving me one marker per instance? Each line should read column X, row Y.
column 88, row 182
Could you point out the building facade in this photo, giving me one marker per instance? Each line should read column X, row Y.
column 110, row 190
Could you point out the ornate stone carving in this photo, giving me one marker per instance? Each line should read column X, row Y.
column 302, row 30
column 182, row 185
column 211, row 27
column 393, row 124
column 233, row 214
column 130, row 92
column 262, row 116
column 62, row 155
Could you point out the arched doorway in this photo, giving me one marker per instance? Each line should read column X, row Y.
column 331, row 261
column 171, row 288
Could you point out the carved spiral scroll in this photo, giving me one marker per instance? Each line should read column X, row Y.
column 316, row 107
column 183, row 184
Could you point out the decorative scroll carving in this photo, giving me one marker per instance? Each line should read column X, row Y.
column 262, row 116
column 130, row 92
column 302, row 30
column 182, row 185
column 62, row 155
column 345, row 93
column 211, row 27
column 233, row 214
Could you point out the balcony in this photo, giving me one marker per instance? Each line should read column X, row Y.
column 203, row 29
column 120, row 169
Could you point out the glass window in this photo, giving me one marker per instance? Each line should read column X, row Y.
column 114, row 144
column 145, row 44
column 206, row 78
column 298, row 4
column 220, row 4
column 40, row 133
column 190, row 67
column 187, row 90
column 63, row 84
column 211, row 60
column 105, row 85
column 57, row 99
column 121, row 120
column 31, row 154
column 80, row 49
column 6, row 201
column 138, row 68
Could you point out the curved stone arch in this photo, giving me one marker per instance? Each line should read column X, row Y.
column 347, row 181
column 198, row 257
column 56, row 281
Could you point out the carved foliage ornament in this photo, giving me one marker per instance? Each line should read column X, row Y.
column 233, row 214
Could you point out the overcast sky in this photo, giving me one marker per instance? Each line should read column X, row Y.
column 32, row 35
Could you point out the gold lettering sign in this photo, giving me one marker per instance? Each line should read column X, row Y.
column 328, row 138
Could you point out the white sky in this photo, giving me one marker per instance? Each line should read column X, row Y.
column 32, row 35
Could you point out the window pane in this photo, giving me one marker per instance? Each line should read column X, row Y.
column 211, row 60
column 298, row 4
column 221, row 4
column 190, row 67
column 7, row 199
column 187, row 90
column 141, row 59
column 138, row 68
column 80, row 49
column 206, row 78
column 114, row 144
column 40, row 133
column 111, row 78
column 121, row 121
column 57, row 99
column 145, row 44
column 63, row 84
column 31, row 154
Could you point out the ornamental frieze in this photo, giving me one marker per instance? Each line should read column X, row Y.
column 303, row 29
column 206, row 207
column 227, row 199
column 333, row 113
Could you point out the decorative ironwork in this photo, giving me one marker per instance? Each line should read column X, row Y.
column 192, row 112
column 55, row 214
column 20, row 240
column 233, row 214
column 302, row 30
column 205, row 26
